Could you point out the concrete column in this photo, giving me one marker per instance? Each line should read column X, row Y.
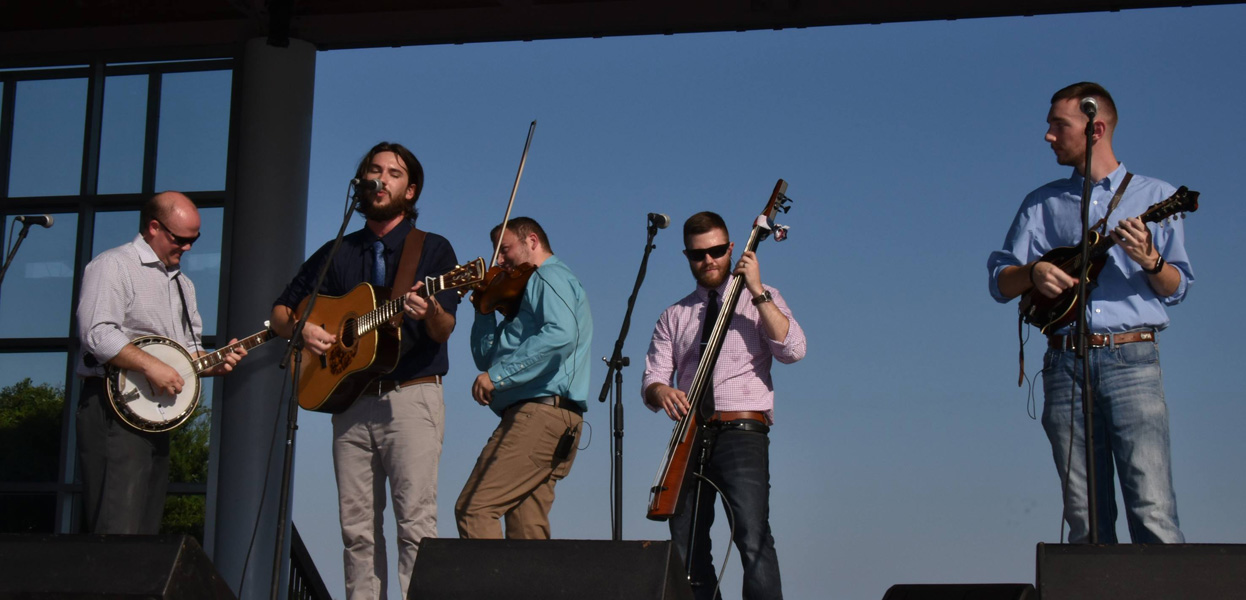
column 265, row 246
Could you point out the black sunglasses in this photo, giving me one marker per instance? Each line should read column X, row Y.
column 177, row 239
column 698, row 254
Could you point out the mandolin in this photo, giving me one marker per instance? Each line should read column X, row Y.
column 1049, row 314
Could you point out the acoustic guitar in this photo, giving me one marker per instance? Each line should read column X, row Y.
column 1049, row 314
column 369, row 338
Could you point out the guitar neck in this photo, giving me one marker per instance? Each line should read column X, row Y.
column 213, row 359
column 392, row 308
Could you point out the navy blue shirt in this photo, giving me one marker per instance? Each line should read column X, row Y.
column 421, row 356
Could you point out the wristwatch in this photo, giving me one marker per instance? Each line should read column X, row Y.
column 762, row 298
column 1159, row 266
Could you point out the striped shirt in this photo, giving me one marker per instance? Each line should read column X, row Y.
column 127, row 292
column 742, row 374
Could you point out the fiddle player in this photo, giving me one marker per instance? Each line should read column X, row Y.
column 130, row 291
column 394, row 430
column 1146, row 270
column 535, row 377
column 738, row 407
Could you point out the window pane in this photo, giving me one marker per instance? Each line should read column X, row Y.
column 202, row 263
column 49, row 117
column 32, row 403
column 113, row 229
column 36, row 298
column 121, row 143
column 194, row 131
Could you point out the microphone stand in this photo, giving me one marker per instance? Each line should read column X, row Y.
column 1083, row 338
column 295, row 349
column 615, row 365
column 8, row 260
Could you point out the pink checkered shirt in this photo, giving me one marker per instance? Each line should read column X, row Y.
column 742, row 374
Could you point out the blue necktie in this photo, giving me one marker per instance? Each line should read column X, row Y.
column 378, row 263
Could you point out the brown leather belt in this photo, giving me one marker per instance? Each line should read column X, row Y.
column 386, row 386
column 556, row 402
column 1100, row 340
column 722, row 416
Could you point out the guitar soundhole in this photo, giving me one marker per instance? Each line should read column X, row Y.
column 347, row 335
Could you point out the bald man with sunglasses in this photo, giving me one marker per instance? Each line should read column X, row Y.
column 738, row 408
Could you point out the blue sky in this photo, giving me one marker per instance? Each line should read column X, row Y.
column 903, row 451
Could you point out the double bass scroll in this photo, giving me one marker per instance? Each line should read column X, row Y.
column 667, row 492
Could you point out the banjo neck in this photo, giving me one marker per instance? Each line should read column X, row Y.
column 213, row 359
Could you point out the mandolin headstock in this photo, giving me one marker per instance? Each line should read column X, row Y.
column 1182, row 201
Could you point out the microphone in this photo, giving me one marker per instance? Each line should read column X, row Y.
column 1090, row 107
column 367, row 185
column 660, row 220
column 28, row 220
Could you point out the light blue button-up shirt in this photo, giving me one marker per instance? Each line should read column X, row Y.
column 1050, row 217
column 543, row 350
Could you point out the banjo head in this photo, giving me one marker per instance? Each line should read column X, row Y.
column 139, row 406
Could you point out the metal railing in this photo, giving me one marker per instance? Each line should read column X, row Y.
column 305, row 581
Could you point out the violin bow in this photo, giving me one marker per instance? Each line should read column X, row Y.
column 497, row 249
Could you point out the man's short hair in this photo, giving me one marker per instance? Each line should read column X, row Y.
column 703, row 222
column 1077, row 91
column 521, row 227
column 415, row 171
column 153, row 209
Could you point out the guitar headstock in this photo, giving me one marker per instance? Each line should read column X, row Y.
column 463, row 277
column 1183, row 200
column 779, row 202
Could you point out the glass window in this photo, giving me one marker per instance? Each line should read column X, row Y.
column 49, row 117
column 32, row 404
column 123, row 128
column 36, row 297
column 113, row 229
column 194, row 131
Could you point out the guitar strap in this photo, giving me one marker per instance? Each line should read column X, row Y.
column 1102, row 226
column 408, row 263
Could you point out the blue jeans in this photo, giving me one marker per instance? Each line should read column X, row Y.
column 740, row 465
column 1130, row 430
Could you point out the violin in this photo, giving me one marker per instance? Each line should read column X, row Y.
column 501, row 290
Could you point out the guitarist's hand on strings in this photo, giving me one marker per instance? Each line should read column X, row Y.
column 1134, row 238
column 748, row 267
column 415, row 305
column 316, row 339
column 667, row 398
column 1049, row 280
column 163, row 378
column 229, row 360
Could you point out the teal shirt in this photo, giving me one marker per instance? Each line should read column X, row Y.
column 543, row 350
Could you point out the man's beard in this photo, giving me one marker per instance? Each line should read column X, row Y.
column 706, row 279
column 372, row 212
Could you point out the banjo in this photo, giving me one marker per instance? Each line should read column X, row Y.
column 139, row 406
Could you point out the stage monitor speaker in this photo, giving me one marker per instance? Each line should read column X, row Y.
column 962, row 591
column 107, row 566
column 1141, row 571
column 453, row 569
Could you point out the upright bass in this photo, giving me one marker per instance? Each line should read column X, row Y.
column 666, row 494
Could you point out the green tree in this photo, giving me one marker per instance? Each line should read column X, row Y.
column 188, row 463
column 30, row 433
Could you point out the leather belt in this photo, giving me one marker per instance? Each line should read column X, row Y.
column 556, row 402
column 386, row 386
column 722, row 416
column 1100, row 340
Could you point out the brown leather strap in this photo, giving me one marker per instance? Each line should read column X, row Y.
column 1102, row 225
column 1100, row 340
column 412, row 248
column 737, row 415
column 385, row 386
